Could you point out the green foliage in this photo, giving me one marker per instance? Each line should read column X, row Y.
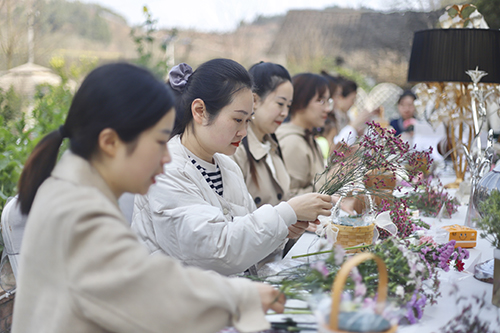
column 10, row 105
column 145, row 41
column 490, row 220
column 490, row 9
column 17, row 140
column 84, row 19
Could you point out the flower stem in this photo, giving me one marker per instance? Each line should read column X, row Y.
column 330, row 251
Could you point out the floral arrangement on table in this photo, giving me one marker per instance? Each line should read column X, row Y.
column 430, row 199
column 402, row 217
column 413, row 265
column 373, row 156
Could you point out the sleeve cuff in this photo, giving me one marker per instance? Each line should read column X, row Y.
column 249, row 316
column 287, row 213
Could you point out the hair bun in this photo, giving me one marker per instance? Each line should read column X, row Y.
column 179, row 76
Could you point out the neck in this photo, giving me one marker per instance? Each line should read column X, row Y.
column 258, row 132
column 107, row 176
column 191, row 142
column 299, row 121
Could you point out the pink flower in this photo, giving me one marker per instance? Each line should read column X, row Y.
column 320, row 267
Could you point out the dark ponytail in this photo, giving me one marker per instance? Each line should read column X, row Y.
column 215, row 82
column 37, row 168
column 123, row 97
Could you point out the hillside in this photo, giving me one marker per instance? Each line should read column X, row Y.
column 62, row 28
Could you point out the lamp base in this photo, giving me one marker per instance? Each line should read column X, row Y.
column 455, row 184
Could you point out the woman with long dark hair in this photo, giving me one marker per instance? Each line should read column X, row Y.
column 82, row 268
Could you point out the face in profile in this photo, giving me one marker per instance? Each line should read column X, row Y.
column 344, row 103
column 224, row 133
column 271, row 111
column 317, row 110
column 146, row 156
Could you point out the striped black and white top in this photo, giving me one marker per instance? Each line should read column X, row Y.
column 211, row 173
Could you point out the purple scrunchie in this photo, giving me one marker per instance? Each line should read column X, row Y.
column 179, row 75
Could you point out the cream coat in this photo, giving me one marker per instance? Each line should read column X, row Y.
column 271, row 188
column 303, row 158
column 83, row 270
column 184, row 218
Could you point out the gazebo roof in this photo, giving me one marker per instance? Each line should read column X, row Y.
column 26, row 77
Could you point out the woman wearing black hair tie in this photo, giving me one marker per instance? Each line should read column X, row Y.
column 82, row 268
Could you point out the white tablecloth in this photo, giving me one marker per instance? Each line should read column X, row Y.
column 435, row 316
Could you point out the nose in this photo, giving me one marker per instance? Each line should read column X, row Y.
column 242, row 132
column 166, row 157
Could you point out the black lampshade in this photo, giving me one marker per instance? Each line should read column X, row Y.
column 442, row 55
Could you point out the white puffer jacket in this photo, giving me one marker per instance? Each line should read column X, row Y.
column 184, row 218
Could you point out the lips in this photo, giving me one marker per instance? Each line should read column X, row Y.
column 236, row 144
column 278, row 122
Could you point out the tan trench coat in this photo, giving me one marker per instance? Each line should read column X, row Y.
column 269, row 188
column 302, row 156
column 83, row 270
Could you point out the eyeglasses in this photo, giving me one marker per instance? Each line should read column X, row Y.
column 324, row 101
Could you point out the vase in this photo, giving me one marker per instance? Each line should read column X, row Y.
column 496, row 279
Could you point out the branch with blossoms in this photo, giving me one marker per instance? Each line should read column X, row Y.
column 376, row 158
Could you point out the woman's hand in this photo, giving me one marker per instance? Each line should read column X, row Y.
column 297, row 229
column 271, row 298
column 308, row 206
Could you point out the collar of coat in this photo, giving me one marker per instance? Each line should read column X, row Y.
column 77, row 170
column 255, row 146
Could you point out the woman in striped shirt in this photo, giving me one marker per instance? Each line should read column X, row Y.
column 200, row 210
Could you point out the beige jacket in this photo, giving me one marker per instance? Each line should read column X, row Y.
column 272, row 186
column 302, row 156
column 83, row 270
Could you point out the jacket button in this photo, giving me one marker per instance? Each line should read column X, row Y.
column 257, row 200
column 225, row 211
column 280, row 196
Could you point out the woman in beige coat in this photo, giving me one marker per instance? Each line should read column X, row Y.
column 82, row 269
column 309, row 110
column 259, row 156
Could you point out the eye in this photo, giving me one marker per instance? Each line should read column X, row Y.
column 162, row 143
column 248, row 120
column 238, row 120
column 281, row 104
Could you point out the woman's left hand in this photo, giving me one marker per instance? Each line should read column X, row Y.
column 297, row 229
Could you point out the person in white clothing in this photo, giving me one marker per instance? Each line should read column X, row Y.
column 200, row 211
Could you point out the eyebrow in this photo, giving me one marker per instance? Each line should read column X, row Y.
column 283, row 98
column 166, row 131
column 242, row 111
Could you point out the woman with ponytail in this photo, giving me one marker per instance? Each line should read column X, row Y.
column 200, row 210
column 82, row 268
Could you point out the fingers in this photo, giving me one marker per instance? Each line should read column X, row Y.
column 297, row 229
column 278, row 306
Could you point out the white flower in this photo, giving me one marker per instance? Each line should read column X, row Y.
column 400, row 291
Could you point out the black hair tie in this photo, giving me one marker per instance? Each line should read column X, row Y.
column 63, row 132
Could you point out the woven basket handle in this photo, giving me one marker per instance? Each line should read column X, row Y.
column 340, row 279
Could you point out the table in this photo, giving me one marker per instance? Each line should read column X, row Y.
column 435, row 316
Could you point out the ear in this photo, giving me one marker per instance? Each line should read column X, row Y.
column 256, row 101
column 109, row 142
column 198, row 111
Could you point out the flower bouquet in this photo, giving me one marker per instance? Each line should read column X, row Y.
column 368, row 169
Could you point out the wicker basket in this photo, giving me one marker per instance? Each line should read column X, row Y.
column 339, row 283
column 351, row 236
